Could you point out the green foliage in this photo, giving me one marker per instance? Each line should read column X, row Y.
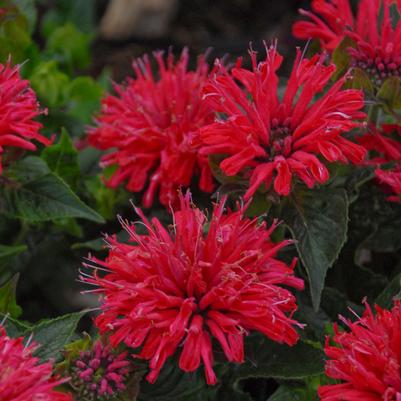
column 70, row 46
column 50, row 83
column 62, row 159
column 8, row 304
column 7, row 257
column 54, row 334
column 269, row 359
column 318, row 221
column 36, row 194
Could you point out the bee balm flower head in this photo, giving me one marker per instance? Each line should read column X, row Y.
column 152, row 124
column 273, row 140
column 366, row 358
column 175, row 291
column 18, row 108
column 22, row 377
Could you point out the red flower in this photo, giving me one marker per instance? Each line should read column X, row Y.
column 178, row 289
column 267, row 138
column 153, row 126
column 384, row 144
column 392, row 178
column 386, row 149
column 376, row 31
column 367, row 358
column 18, row 107
column 328, row 22
column 22, row 378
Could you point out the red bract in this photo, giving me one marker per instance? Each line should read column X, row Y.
column 22, row 377
column 153, row 125
column 267, row 138
column 367, row 358
column 179, row 289
column 385, row 149
column 376, row 31
column 18, row 107
column 392, row 178
column 328, row 22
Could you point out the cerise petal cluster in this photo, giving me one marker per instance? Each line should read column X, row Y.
column 152, row 126
column 269, row 139
column 100, row 373
column 18, row 108
column 384, row 146
column 375, row 29
column 366, row 358
column 176, row 290
column 22, row 377
column 327, row 22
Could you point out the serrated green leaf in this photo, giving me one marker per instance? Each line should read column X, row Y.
column 269, row 359
column 318, row 221
column 14, row 328
column 39, row 195
column 52, row 335
column 8, row 303
column 284, row 393
column 62, row 159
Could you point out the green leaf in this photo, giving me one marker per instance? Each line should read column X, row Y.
column 360, row 80
column 318, row 220
column 14, row 328
column 8, row 304
column 39, row 195
column 390, row 93
column 52, row 335
column 71, row 45
column 62, row 159
column 341, row 56
column 8, row 253
column 284, row 393
column 173, row 384
column 49, row 83
column 269, row 359
column 84, row 95
column 392, row 291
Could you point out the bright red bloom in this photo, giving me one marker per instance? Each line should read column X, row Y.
column 18, row 107
column 367, row 358
column 328, row 22
column 376, row 31
column 176, row 290
column 392, row 178
column 271, row 139
column 22, row 377
column 385, row 147
column 153, row 126
column 384, row 144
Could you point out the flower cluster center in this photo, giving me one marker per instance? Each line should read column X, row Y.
column 379, row 68
column 280, row 137
column 99, row 375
